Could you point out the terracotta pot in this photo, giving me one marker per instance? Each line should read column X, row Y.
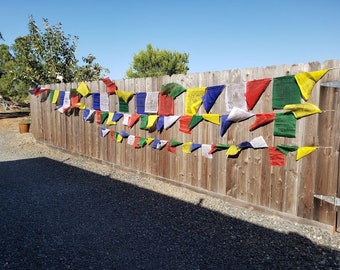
column 24, row 127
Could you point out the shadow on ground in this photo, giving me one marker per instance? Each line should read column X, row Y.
column 55, row 216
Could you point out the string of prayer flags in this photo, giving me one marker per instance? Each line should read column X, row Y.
column 140, row 102
column 262, row 119
column 206, row 148
column 193, row 100
column 184, row 122
column 285, row 91
column 111, row 86
column 286, row 148
column 285, row 125
column 151, row 102
column 38, row 90
column 302, row 110
column 212, row 118
column 172, row 89
column 166, row 105
column 254, row 90
column 88, row 115
column 170, row 120
column 83, row 89
column 195, row 120
column 44, row 94
column 239, row 114
column 225, row 124
column 211, row 95
column 234, row 96
column 133, row 119
column 304, row 151
column 258, row 143
column 276, row 157
column 307, row 80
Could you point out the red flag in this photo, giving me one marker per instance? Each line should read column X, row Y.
column 184, row 122
column 262, row 119
column 254, row 90
column 111, row 86
column 165, row 105
column 277, row 158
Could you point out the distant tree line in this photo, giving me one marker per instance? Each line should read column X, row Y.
column 48, row 56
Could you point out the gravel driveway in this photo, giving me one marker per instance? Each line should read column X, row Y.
column 58, row 211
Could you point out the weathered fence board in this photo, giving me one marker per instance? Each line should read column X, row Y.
column 249, row 177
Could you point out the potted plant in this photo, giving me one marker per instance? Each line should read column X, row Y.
column 24, row 125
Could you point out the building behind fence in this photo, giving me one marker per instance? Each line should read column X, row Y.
column 248, row 178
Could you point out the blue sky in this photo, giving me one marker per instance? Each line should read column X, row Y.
column 217, row 34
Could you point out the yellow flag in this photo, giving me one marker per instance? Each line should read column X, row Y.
column 151, row 121
column 186, row 147
column 55, row 96
column 83, row 89
column 193, row 100
column 212, row 117
column 307, row 80
column 301, row 110
column 126, row 96
column 304, row 151
column 149, row 140
column 119, row 138
column 109, row 119
column 80, row 105
column 233, row 150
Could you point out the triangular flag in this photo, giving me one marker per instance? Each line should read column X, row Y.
column 286, row 148
column 174, row 143
column 83, row 89
column 133, row 119
column 151, row 121
column 258, row 142
column 104, row 131
column 307, row 80
column 109, row 119
column 304, row 151
column 276, row 157
column 160, row 123
column 142, row 142
column 193, row 100
column 218, row 147
column 254, row 90
column 244, row 145
column 119, row 137
column 135, row 142
column 149, row 140
column 172, row 89
column 302, row 110
column 124, row 134
column 88, row 114
column 124, row 95
column 212, row 117
column 262, row 119
column 233, row 151
column 194, row 146
column 170, row 120
column 211, row 95
column 195, row 120
column 238, row 115
column 184, row 121
column 117, row 116
column 225, row 124
column 186, row 147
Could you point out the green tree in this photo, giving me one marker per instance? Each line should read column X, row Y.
column 154, row 63
column 6, row 66
column 90, row 71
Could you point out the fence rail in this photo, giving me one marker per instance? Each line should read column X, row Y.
column 249, row 178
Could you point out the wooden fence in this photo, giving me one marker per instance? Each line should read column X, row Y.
column 249, row 178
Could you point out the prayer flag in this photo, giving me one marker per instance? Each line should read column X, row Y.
column 258, row 142
column 170, row 120
column 195, row 120
column 262, row 119
column 213, row 118
column 184, row 121
column 206, row 148
column 133, row 119
column 304, row 151
column 111, row 86
column 233, row 151
column 193, row 100
column 254, row 90
column 286, row 148
column 285, row 91
column 151, row 121
column 140, row 102
column 234, row 96
column 211, row 95
column 307, row 80
column 83, row 89
column 276, row 157
column 165, row 105
column 186, row 147
column 302, row 110
column 172, row 89
column 284, row 125
column 225, row 124
column 160, row 123
column 151, row 102
column 238, row 115
column 143, row 121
